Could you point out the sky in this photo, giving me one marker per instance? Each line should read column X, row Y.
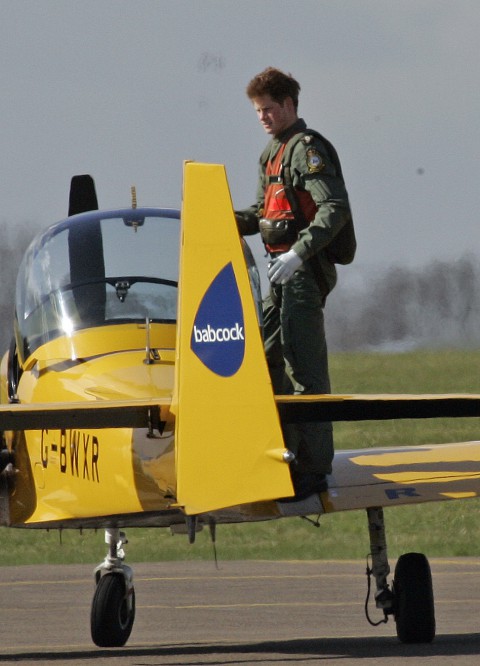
column 126, row 90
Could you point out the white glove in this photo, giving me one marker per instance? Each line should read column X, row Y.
column 281, row 270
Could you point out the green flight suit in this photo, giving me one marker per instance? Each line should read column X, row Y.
column 294, row 333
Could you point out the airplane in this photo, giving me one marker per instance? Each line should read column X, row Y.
column 135, row 393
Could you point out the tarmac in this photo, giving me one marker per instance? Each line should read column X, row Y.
column 242, row 613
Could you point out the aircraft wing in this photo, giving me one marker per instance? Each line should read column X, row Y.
column 395, row 476
column 371, row 407
column 82, row 415
column 406, row 475
column 142, row 413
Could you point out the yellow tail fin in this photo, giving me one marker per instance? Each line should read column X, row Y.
column 229, row 445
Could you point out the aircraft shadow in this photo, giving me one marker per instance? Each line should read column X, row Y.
column 301, row 650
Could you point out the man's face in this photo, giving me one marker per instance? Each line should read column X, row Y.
column 274, row 117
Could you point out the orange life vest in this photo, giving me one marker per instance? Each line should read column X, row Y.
column 276, row 204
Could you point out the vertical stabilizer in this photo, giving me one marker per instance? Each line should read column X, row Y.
column 229, row 445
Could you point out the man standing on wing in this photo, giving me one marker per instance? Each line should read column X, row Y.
column 302, row 206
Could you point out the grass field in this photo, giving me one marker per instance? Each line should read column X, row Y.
column 440, row 529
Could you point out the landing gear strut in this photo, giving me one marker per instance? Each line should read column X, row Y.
column 410, row 600
column 113, row 605
column 384, row 599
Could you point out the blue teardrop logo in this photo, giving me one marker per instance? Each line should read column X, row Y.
column 218, row 335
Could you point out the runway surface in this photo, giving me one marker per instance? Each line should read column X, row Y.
column 248, row 612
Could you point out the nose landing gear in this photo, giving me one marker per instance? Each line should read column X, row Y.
column 113, row 606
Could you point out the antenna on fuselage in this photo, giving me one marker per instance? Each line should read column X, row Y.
column 134, row 222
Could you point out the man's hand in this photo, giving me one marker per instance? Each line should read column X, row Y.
column 281, row 270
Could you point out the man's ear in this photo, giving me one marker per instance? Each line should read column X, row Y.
column 289, row 106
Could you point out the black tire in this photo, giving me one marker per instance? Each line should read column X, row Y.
column 414, row 606
column 111, row 621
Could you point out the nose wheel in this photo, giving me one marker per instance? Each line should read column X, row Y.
column 113, row 612
column 113, row 606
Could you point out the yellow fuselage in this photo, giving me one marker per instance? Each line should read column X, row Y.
column 76, row 474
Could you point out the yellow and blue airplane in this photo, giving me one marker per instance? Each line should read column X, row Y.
column 136, row 393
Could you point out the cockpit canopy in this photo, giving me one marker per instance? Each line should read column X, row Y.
column 102, row 268
column 96, row 269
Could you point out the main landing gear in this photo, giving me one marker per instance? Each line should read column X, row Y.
column 113, row 605
column 410, row 600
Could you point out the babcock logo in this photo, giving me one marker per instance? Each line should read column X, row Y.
column 218, row 335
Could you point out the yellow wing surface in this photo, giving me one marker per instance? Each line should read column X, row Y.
column 404, row 475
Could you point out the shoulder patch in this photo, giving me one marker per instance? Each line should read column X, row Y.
column 315, row 163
